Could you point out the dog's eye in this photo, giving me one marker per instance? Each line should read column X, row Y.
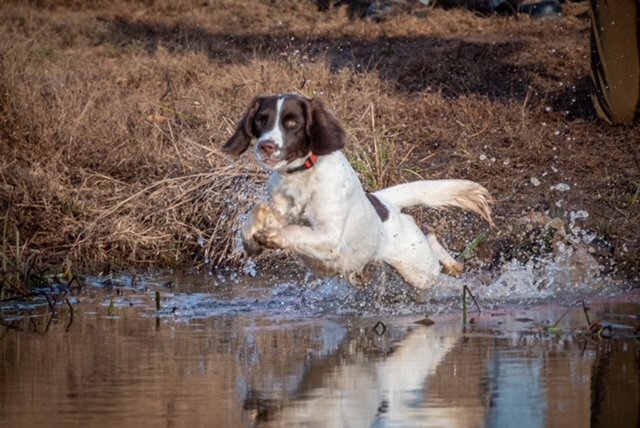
column 290, row 123
column 261, row 120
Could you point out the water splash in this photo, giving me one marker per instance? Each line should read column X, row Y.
column 569, row 275
column 567, row 271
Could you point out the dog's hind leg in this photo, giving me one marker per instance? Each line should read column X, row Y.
column 411, row 253
column 451, row 266
column 414, row 273
column 416, row 257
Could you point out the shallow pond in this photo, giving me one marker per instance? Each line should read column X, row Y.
column 228, row 352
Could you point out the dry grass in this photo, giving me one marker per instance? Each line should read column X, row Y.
column 112, row 113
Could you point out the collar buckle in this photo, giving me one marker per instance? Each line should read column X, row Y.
column 309, row 162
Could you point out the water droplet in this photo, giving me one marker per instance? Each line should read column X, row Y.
column 560, row 187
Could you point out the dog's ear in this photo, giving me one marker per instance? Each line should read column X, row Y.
column 323, row 129
column 241, row 139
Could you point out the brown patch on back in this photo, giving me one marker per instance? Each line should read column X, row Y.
column 381, row 209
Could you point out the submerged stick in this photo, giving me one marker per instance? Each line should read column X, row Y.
column 46, row 329
column 474, row 299
column 586, row 313
column 464, row 305
column 51, row 305
column 465, row 291
column 71, row 312
column 560, row 319
column 379, row 328
column 75, row 279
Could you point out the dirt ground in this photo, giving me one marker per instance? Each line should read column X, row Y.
column 112, row 115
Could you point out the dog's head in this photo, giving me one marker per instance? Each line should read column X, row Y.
column 288, row 128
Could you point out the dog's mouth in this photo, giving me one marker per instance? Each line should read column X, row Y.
column 272, row 162
column 278, row 160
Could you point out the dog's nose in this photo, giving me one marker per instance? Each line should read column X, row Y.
column 267, row 147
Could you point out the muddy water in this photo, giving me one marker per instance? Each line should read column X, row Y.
column 224, row 352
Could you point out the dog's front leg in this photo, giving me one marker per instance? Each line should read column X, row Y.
column 260, row 219
column 320, row 243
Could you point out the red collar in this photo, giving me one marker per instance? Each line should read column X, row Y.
column 309, row 162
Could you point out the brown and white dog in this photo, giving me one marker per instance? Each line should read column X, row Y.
column 316, row 206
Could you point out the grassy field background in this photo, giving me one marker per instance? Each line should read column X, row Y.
column 112, row 115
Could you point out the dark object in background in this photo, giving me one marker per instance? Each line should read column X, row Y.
column 615, row 60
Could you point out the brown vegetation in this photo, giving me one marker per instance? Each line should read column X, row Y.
column 112, row 115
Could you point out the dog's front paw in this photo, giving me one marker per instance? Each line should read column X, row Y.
column 269, row 238
column 251, row 247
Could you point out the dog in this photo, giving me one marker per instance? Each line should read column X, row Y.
column 317, row 208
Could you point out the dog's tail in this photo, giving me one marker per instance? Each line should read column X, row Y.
column 464, row 194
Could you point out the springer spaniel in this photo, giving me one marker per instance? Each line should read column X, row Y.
column 317, row 208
